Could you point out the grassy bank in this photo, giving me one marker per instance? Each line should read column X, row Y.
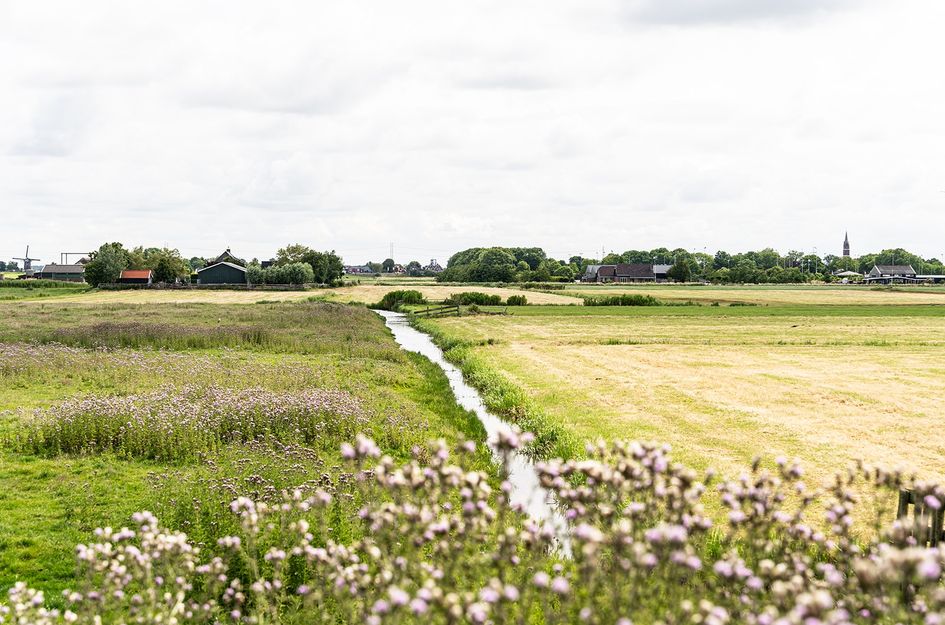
column 71, row 375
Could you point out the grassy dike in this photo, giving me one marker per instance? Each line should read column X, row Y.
column 502, row 397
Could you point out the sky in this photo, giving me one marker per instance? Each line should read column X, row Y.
column 574, row 125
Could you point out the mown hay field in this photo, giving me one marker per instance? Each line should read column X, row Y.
column 371, row 293
column 847, row 294
column 824, row 383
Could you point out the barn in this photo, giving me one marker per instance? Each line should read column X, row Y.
column 136, row 276
column 222, row 273
column 70, row 273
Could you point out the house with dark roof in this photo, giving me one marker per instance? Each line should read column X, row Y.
column 136, row 276
column 899, row 274
column 891, row 274
column 626, row 272
column 222, row 273
column 68, row 273
column 433, row 267
column 634, row 272
column 227, row 257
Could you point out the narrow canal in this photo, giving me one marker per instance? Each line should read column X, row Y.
column 526, row 489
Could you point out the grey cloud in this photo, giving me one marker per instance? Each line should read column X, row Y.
column 309, row 86
column 516, row 81
column 693, row 12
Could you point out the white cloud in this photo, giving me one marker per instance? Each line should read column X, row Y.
column 439, row 125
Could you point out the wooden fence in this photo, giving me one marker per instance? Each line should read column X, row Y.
column 438, row 311
column 926, row 521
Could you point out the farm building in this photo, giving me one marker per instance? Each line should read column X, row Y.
column 899, row 274
column 621, row 272
column 660, row 272
column 136, row 276
column 69, row 273
column 222, row 273
column 227, row 257
column 433, row 267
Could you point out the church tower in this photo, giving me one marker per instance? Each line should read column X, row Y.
column 846, row 245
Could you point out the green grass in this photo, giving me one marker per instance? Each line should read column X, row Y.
column 51, row 352
column 50, row 505
column 795, row 310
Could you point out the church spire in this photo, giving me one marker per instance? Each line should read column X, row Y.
column 846, row 245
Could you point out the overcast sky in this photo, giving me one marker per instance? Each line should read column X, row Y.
column 439, row 125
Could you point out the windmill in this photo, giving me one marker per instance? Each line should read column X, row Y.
column 27, row 262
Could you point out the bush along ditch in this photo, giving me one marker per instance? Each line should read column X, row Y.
column 439, row 545
column 394, row 300
column 473, row 298
column 504, row 398
column 626, row 299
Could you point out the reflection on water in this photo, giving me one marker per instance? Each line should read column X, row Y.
column 526, row 489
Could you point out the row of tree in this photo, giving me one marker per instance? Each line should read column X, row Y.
column 9, row 266
column 106, row 264
column 327, row 267
column 531, row 264
column 413, row 269
column 294, row 264
column 507, row 264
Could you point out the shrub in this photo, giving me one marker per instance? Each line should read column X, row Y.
column 439, row 545
column 469, row 298
column 292, row 273
column 543, row 286
column 393, row 300
column 36, row 283
column 516, row 300
column 625, row 299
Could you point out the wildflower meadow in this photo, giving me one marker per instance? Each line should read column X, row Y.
column 293, row 480
column 440, row 544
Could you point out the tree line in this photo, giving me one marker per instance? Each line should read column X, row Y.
column 531, row 264
column 294, row 264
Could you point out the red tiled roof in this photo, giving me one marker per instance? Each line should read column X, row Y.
column 136, row 273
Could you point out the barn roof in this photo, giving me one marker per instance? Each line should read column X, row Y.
column 55, row 268
column 135, row 274
column 606, row 271
column 226, row 256
column 896, row 269
column 243, row 269
column 634, row 270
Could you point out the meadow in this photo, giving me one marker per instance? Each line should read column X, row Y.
column 286, row 462
column 113, row 408
column 827, row 375
column 779, row 295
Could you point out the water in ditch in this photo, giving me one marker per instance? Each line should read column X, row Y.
column 526, row 489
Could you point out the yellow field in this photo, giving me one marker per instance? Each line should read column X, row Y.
column 366, row 293
column 771, row 295
column 723, row 385
column 370, row 293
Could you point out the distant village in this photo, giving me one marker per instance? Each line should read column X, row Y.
column 297, row 264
